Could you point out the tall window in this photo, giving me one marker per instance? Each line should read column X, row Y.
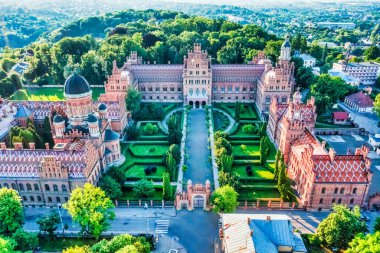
column 203, row 92
column 321, row 201
column 342, row 191
column 335, row 190
column 36, row 188
column 21, row 187
column 197, row 91
column 64, row 188
column 28, row 187
column 323, row 190
column 47, row 187
column 191, row 91
column 55, row 187
column 354, row 190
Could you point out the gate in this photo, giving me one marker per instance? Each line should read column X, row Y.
column 199, row 201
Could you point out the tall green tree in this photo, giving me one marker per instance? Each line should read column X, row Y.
column 226, row 162
column 133, row 100
column 111, row 187
column 372, row 53
column 237, row 111
column 25, row 241
column 11, row 212
column 49, row 223
column 376, row 105
column 166, row 188
column 264, row 149
column 171, row 165
column 91, row 208
column 340, row 227
column 277, row 163
column 224, row 199
column 144, row 189
column 362, row 243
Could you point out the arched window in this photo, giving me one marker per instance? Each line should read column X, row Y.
column 39, row 199
column 191, row 91
column 58, row 200
column 342, row 191
column 47, row 187
column 55, row 187
column 197, row 91
column 354, row 190
column 6, row 185
column 28, row 187
column 24, row 198
column 31, row 199
column 14, row 187
column 50, row 200
column 66, row 199
column 36, row 188
column 333, row 201
column 321, row 201
column 339, row 201
column 323, row 190
column 204, row 92
column 64, row 188
column 336, row 190
column 21, row 186
column 351, row 201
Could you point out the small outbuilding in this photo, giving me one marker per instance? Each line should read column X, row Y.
column 340, row 118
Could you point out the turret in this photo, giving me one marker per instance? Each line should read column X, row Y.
column 286, row 50
column 102, row 108
column 93, row 125
column 59, row 125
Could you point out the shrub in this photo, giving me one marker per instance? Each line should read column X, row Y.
column 249, row 170
column 184, row 168
column 152, row 149
column 150, row 129
column 148, row 171
column 144, row 189
column 243, row 147
column 132, row 132
column 248, row 129
column 154, row 169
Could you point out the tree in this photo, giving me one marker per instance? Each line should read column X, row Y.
column 7, row 245
column 231, row 179
column 362, row 243
column 111, row 187
column 237, row 111
column 78, row 249
column 272, row 49
column 224, row 199
column 171, row 165
column 376, row 105
column 176, row 152
column 117, row 173
column 150, row 129
column 277, row 163
column 377, row 224
column 263, row 129
column 25, row 241
column 133, row 100
column 340, row 227
column 372, row 53
column 175, row 136
column 48, row 224
column 304, row 77
column 377, row 83
column 122, row 242
column 264, row 149
column 281, row 177
column 226, row 162
column 90, row 207
column 11, row 212
column 166, row 188
column 132, row 132
column 143, row 189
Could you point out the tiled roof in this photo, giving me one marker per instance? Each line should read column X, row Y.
column 23, row 112
column 360, row 99
column 340, row 115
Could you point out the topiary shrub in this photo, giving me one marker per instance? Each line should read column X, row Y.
column 150, row 129
column 249, row 170
column 248, row 129
column 243, row 147
column 154, row 169
column 148, row 171
column 152, row 149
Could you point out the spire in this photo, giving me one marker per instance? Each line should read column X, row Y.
column 286, row 49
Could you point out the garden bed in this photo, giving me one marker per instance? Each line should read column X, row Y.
column 148, row 150
column 136, row 172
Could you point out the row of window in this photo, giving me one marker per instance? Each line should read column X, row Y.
column 118, row 87
column 39, row 199
column 336, row 190
column 222, row 89
column 236, row 98
column 334, row 200
column 35, row 186
column 161, row 97
column 158, row 89
column 197, row 81
column 284, row 99
column 197, row 72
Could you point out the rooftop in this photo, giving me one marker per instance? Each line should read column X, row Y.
column 360, row 99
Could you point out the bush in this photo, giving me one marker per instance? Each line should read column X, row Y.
column 152, row 149
column 25, row 241
column 144, row 189
column 148, row 171
column 243, row 147
column 249, row 170
column 150, row 129
column 249, row 129
column 132, row 132
column 154, row 169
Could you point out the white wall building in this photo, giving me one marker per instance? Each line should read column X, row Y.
column 308, row 60
column 366, row 72
column 335, row 25
column 346, row 77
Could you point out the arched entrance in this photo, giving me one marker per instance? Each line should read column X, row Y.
column 203, row 104
column 191, row 103
column 199, row 201
column 197, row 104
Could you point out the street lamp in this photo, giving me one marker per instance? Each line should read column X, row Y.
column 60, row 216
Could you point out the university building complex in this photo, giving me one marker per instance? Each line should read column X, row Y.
column 87, row 133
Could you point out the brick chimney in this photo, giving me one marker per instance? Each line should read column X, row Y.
column 32, row 145
column 18, row 145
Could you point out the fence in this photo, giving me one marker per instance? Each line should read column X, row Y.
column 141, row 203
column 269, row 204
column 338, row 131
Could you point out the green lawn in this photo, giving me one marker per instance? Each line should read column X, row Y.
column 259, row 172
column 221, row 121
column 58, row 244
column 253, row 195
column 239, row 131
column 251, row 150
column 47, row 94
column 139, row 150
column 247, row 112
column 137, row 172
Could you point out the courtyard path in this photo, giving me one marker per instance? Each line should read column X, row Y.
column 199, row 167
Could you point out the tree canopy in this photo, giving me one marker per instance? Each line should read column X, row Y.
column 11, row 211
column 224, row 199
column 362, row 243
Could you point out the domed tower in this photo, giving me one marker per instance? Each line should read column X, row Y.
column 102, row 108
column 297, row 96
column 59, row 125
column 78, row 96
column 93, row 125
column 286, row 50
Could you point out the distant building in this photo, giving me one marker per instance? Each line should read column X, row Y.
column 353, row 81
column 366, row 72
column 359, row 102
column 308, row 60
column 251, row 233
column 374, row 140
column 336, row 25
column 317, row 71
column 340, row 118
column 328, row 44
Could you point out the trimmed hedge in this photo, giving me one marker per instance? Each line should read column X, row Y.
column 245, row 142
column 247, row 157
column 246, row 162
column 153, row 138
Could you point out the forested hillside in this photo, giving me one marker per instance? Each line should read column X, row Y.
column 90, row 45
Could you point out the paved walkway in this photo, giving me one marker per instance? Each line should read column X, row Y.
column 366, row 120
column 199, row 167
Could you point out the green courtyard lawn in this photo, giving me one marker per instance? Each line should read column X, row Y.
column 221, row 121
column 248, row 111
column 47, row 94
column 249, row 150
column 260, row 173
column 136, row 172
column 148, row 150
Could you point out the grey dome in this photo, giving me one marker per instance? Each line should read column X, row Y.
column 76, row 85
column 111, row 135
column 92, row 118
column 58, row 119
